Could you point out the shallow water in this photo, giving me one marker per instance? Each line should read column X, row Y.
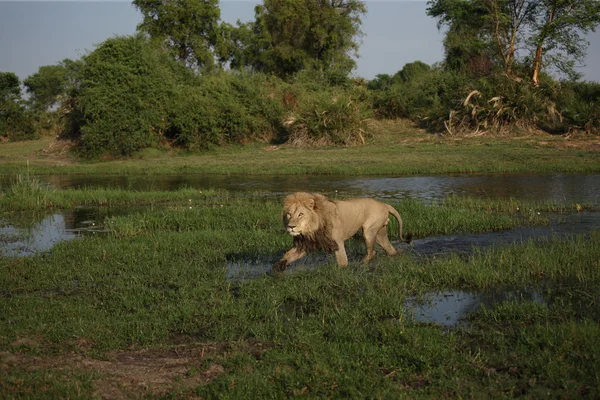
column 35, row 234
column 581, row 188
column 244, row 266
column 451, row 308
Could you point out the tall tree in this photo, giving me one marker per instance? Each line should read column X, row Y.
column 10, row 87
column 190, row 28
column 499, row 28
column 51, row 84
column 467, row 37
column 289, row 36
column 557, row 30
column 507, row 20
column 15, row 121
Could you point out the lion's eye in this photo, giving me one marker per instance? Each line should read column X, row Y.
column 288, row 216
column 300, row 215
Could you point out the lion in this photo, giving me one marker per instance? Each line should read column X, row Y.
column 317, row 223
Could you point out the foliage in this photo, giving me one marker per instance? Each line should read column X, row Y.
column 452, row 102
column 329, row 117
column 225, row 108
column 557, row 27
column 486, row 34
column 579, row 105
column 16, row 122
column 190, row 28
column 290, row 36
column 467, row 38
column 126, row 84
column 51, row 84
column 411, row 71
column 417, row 99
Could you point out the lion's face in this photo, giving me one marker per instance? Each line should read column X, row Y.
column 298, row 219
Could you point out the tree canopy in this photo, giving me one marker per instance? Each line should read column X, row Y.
column 190, row 28
column 289, row 36
column 51, row 84
column 15, row 122
column 547, row 33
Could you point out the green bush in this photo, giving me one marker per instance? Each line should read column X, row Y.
column 579, row 105
column 452, row 102
column 122, row 104
column 225, row 108
column 420, row 99
column 328, row 116
column 16, row 123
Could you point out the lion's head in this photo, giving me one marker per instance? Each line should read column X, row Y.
column 307, row 217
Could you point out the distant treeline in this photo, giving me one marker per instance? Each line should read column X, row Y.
column 188, row 80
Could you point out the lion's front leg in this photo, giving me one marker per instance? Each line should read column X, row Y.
column 289, row 257
column 340, row 255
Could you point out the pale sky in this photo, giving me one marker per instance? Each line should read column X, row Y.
column 33, row 34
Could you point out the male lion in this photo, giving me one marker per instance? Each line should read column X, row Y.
column 315, row 222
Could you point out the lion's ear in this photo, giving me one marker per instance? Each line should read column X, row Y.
column 310, row 203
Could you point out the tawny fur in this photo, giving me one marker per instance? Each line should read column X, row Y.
column 316, row 223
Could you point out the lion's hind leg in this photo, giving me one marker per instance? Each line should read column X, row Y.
column 384, row 242
column 370, row 236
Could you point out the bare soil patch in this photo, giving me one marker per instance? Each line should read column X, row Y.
column 134, row 373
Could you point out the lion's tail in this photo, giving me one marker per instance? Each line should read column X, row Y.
column 396, row 214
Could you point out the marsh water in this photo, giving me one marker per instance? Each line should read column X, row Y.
column 34, row 233
column 581, row 188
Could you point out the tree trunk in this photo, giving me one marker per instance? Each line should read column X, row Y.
column 537, row 64
column 537, row 61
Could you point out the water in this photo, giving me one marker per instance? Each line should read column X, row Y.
column 246, row 266
column 31, row 236
column 451, row 308
column 580, row 188
column 447, row 309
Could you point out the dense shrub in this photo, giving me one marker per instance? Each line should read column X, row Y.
column 451, row 102
column 419, row 99
column 225, row 108
column 579, row 105
column 16, row 123
column 328, row 116
column 126, row 86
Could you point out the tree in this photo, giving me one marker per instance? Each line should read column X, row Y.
column 51, row 84
column 190, row 28
column 507, row 21
column 467, row 39
column 10, row 87
column 412, row 70
column 380, row 82
column 289, row 36
column 557, row 29
column 15, row 121
column 497, row 29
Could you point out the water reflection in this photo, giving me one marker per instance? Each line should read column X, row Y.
column 17, row 240
column 449, row 308
column 581, row 188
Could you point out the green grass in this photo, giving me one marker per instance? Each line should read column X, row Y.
column 395, row 149
column 157, row 285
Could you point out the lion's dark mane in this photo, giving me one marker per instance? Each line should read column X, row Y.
column 317, row 240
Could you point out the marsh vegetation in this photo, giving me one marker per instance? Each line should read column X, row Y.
column 151, row 307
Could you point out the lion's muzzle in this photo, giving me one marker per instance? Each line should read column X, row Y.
column 291, row 230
